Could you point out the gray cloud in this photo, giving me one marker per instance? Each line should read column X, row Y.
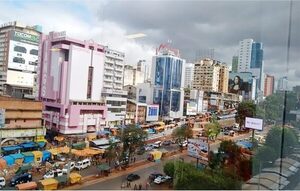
column 199, row 25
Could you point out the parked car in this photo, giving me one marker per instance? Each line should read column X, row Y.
column 61, row 157
column 231, row 133
column 19, row 179
column 2, row 182
column 226, row 132
column 157, row 144
column 153, row 176
column 83, row 164
column 148, row 147
column 72, row 166
column 183, row 144
column 133, row 177
column 53, row 173
column 167, row 143
column 162, row 179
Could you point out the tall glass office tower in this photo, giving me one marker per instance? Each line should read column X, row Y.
column 257, row 55
column 167, row 78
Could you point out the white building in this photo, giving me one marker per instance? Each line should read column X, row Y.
column 282, row 84
column 114, row 97
column 18, row 59
column 188, row 75
column 133, row 76
column 245, row 49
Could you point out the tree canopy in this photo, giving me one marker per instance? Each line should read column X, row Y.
column 182, row 133
column 245, row 109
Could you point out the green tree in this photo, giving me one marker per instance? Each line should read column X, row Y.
column 265, row 154
column 132, row 137
column 182, row 133
column 169, row 168
column 245, row 109
column 274, row 140
column 213, row 129
column 112, row 151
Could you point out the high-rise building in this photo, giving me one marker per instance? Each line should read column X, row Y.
column 70, row 83
column 168, row 81
column 235, row 63
column 269, row 85
column 223, row 78
column 188, row 75
column 251, row 60
column 211, row 75
column 282, row 84
column 113, row 95
column 133, row 76
column 18, row 59
column 245, row 50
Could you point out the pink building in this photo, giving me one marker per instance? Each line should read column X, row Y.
column 70, row 84
column 269, row 85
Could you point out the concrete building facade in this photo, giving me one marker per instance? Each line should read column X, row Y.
column 188, row 75
column 20, row 119
column 70, row 84
column 269, row 85
column 18, row 59
column 245, row 49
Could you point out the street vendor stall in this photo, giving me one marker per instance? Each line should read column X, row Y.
column 38, row 155
column 46, row 156
column 27, row 186
column 9, row 160
column 75, row 177
column 155, row 155
column 48, row 184
column 3, row 164
column 18, row 158
column 28, row 157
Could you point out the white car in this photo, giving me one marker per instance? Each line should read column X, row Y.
column 157, row 144
column 184, row 144
column 161, row 179
column 65, row 169
column 53, row 173
column 2, row 182
column 83, row 164
column 148, row 147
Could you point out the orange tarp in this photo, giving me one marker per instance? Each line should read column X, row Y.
column 3, row 164
column 87, row 152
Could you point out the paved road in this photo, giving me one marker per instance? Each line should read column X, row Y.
column 116, row 182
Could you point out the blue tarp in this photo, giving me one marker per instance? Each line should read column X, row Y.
column 28, row 145
column 244, row 144
column 9, row 160
column 11, row 148
column 42, row 144
column 104, row 132
column 46, row 155
column 17, row 156
column 28, row 157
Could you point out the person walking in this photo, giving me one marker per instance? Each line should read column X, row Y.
column 135, row 187
column 140, row 186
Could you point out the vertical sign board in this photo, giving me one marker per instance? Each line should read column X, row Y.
column 254, row 123
column 152, row 112
column 191, row 108
column 2, row 117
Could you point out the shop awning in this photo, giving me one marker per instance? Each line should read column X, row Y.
column 103, row 167
column 17, row 156
column 9, row 160
column 29, row 145
column 42, row 144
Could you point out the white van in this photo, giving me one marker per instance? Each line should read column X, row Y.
column 157, row 144
column 83, row 164
column 2, row 182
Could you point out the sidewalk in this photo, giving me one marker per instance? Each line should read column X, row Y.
column 93, row 179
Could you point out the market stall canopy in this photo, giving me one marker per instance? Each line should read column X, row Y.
column 156, row 154
column 11, row 148
column 17, row 156
column 9, row 160
column 75, row 177
column 80, row 145
column 59, row 138
column 42, row 144
column 38, row 155
column 3, row 164
column 27, row 186
column 29, row 145
column 28, row 157
column 46, row 155
column 49, row 184
column 103, row 167
column 87, row 152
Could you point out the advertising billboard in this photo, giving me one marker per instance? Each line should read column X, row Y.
column 254, row 123
column 241, row 83
column 23, row 56
column 198, row 148
column 191, row 108
column 152, row 113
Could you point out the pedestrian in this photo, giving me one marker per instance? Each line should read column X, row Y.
column 129, row 184
column 134, row 159
column 140, row 186
column 135, row 187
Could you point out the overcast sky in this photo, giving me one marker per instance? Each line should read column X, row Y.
column 192, row 26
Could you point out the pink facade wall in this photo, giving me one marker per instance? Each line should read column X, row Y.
column 59, row 98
